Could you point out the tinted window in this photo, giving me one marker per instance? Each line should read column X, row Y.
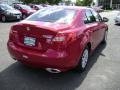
column 86, row 20
column 90, row 16
column 97, row 16
column 54, row 14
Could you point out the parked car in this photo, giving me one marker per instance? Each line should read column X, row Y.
column 25, row 10
column 9, row 13
column 37, row 7
column 57, row 38
column 117, row 19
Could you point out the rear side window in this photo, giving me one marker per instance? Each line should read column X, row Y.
column 97, row 16
column 90, row 17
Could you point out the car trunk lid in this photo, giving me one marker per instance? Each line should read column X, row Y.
column 36, row 35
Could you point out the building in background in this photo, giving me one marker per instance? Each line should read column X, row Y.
column 108, row 4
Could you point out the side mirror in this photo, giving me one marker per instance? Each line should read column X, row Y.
column 105, row 19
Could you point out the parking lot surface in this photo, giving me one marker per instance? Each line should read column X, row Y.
column 102, row 73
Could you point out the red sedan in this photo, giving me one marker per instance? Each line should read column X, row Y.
column 57, row 38
column 25, row 10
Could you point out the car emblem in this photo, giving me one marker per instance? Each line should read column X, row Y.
column 28, row 28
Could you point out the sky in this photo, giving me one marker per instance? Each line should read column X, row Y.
column 95, row 0
column 73, row 0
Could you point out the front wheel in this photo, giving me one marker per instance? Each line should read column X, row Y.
column 24, row 16
column 83, row 60
column 105, row 37
column 3, row 18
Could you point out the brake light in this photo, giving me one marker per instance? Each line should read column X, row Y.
column 59, row 42
column 12, row 34
column 59, row 38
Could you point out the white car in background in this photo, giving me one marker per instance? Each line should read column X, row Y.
column 117, row 19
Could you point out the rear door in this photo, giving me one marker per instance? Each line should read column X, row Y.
column 93, row 27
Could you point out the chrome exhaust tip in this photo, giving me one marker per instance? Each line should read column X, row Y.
column 53, row 70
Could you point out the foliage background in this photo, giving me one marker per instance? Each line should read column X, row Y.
column 78, row 2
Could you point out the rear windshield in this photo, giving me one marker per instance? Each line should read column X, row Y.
column 54, row 15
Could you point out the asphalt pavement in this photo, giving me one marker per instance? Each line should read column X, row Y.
column 102, row 73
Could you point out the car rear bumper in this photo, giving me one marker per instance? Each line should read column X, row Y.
column 50, row 59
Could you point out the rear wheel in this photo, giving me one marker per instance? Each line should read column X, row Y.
column 105, row 37
column 83, row 60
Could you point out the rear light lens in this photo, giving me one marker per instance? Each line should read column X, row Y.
column 12, row 34
column 59, row 38
column 59, row 42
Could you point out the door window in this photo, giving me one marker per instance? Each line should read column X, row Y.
column 91, row 18
column 97, row 16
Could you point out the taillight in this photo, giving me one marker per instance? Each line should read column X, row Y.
column 59, row 42
column 12, row 34
column 59, row 38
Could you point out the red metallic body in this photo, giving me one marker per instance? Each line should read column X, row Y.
column 48, row 54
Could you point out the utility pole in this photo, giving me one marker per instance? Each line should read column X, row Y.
column 111, row 1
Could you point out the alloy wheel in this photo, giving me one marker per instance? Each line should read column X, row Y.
column 85, row 58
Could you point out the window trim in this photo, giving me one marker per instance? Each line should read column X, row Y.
column 85, row 15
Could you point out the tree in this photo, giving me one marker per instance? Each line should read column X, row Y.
column 84, row 2
column 27, row 1
column 68, row 2
column 41, row 1
column 79, row 3
column 53, row 1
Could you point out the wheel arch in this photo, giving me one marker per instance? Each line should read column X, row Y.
column 89, row 46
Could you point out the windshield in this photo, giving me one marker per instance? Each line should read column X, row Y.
column 54, row 15
column 6, row 7
column 26, row 7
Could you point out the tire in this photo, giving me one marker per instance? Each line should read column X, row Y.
column 24, row 16
column 83, row 60
column 104, row 41
column 3, row 18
